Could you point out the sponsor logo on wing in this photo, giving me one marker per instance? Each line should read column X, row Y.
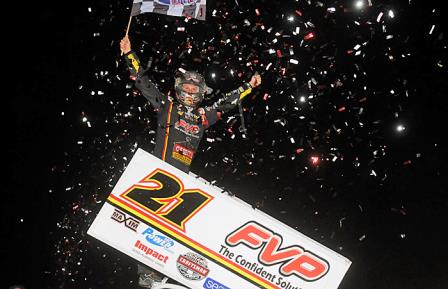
column 192, row 266
column 150, row 253
column 121, row 217
column 158, row 240
column 293, row 259
column 213, row 284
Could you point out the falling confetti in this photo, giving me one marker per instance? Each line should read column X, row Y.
column 345, row 127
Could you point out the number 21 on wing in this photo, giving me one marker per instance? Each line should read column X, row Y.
column 164, row 195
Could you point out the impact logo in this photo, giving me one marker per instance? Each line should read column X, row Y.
column 129, row 222
column 177, row 2
column 192, row 266
column 293, row 260
column 158, row 240
column 150, row 253
column 212, row 284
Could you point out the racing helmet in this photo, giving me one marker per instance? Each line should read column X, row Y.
column 190, row 77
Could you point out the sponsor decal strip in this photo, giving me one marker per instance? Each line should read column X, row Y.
column 165, row 228
column 183, row 159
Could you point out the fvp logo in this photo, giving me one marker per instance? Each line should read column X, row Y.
column 188, row 128
column 157, row 240
column 121, row 217
column 293, row 260
column 212, row 284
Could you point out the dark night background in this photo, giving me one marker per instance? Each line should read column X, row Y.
column 376, row 195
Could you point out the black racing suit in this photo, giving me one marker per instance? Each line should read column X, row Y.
column 180, row 128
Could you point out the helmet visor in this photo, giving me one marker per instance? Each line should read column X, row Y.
column 188, row 98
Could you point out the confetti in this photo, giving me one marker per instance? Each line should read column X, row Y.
column 334, row 125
